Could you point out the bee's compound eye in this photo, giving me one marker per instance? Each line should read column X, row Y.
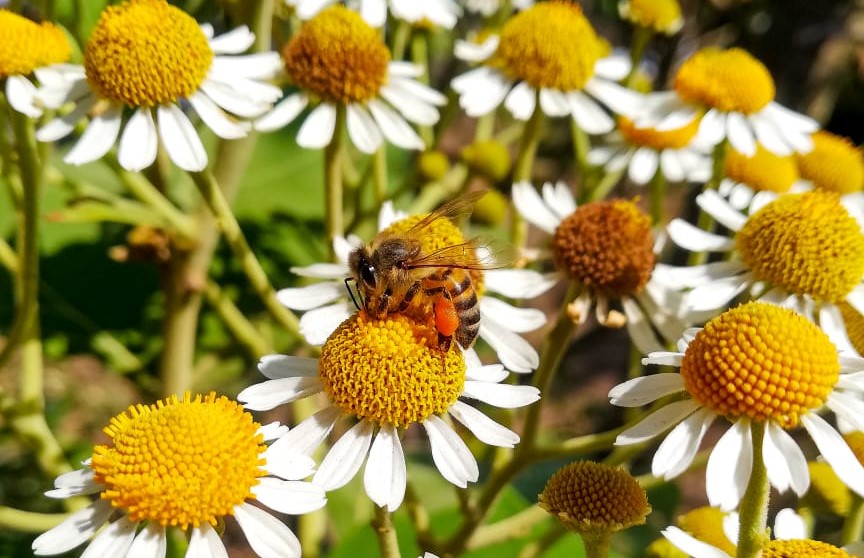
column 367, row 274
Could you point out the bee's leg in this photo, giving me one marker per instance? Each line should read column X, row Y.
column 384, row 303
column 409, row 296
column 444, row 342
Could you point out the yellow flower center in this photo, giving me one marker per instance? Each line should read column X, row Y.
column 606, row 246
column 676, row 138
column 487, row 158
column 854, row 322
column 761, row 361
column 802, row 548
column 594, row 498
column 834, row 164
column 806, row 243
column 390, row 371
column 762, row 171
column 663, row 16
column 827, row 493
column 180, row 462
column 728, row 80
column 27, row 45
column 144, row 53
column 338, row 57
column 706, row 524
column 552, row 45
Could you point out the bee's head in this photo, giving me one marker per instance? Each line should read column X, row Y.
column 363, row 269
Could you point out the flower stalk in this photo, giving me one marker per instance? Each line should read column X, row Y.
column 753, row 510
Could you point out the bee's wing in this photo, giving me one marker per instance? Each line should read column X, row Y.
column 472, row 254
column 453, row 210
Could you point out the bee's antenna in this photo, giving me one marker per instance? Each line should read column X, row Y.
column 351, row 292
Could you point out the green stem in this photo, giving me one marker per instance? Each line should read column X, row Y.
column 705, row 221
column 513, row 527
column 333, row 154
column 244, row 332
column 379, row 174
column 581, row 147
column 657, row 196
column 596, row 546
column 400, row 39
column 541, row 545
column 386, row 533
column 753, row 510
column 853, row 523
column 29, row 522
column 530, row 141
column 641, row 38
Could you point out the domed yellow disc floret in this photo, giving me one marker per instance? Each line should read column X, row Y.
column 854, row 322
column 763, row 171
column 663, row 16
column 763, row 362
column 338, row 57
column 728, row 80
column 144, row 53
column 27, row 45
column 551, row 45
column 390, row 371
column 180, row 462
column 706, row 524
column 835, row 164
column 676, row 138
column 802, row 548
column 806, row 243
column 593, row 498
column 606, row 246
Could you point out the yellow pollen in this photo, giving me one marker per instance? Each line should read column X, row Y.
column 552, row 45
column 854, row 322
column 607, row 246
column 806, row 243
column 594, row 498
column 802, row 548
column 835, row 164
column 338, row 57
column 676, row 138
column 827, row 493
column 728, row 80
column 180, row 462
column 763, row 171
column 662, row 16
column 706, row 524
column 389, row 371
column 763, row 362
column 27, row 45
column 144, row 53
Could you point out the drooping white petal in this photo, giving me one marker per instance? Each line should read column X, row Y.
column 267, row 535
column 205, row 543
column 729, row 466
column 345, row 458
column 272, row 393
column 789, row 525
column 835, row 451
column 317, row 130
column 306, row 9
column 768, row 135
column 114, row 540
column 310, row 296
column 481, row 90
column 474, row 52
column 521, row 101
column 614, row 67
column 282, row 114
column 492, row 373
column 272, row 430
column 487, row 430
column 98, row 138
column 643, row 165
column 515, row 319
column 362, row 129
column 394, row 127
column 505, row 396
column 671, row 165
column 554, row 102
column 413, row 100
column 287, row 366
column 639, row 327
column 234, row 41
column 529, row 204
column 374, row 12
column 139, row 142
column 796, row 120
column 712, row 128
column 588, row 114
column 714, row 204
column 715, row 295
column 149, row 543
column 293, row 497
column 856, row 298
column 620, row 100
column 303, row 439
column 691, row 545
column 647, row 389
column 238, row 95
column 779, row 447
column 692, row 276
column 450, row 454
column 317, row 325
column 21, row 94
column 63, row 126
column 513, row 351
column 385, row 476
column 518, row 283
column 695, row 239
column 216, row 120
column 657, row 422
column 740, row 135
column 180, row 139
column 74, row 530
column 559, row 199
column 324, row 271
column 678, row 449
column 831, row 322
column 75, row 483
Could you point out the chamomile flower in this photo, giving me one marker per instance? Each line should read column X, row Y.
column 752, row 181
column 731, row 94
column 803, row 251
column 386, row 375
column 443, row 13
column 661, row 16
column 27, row 48
column 835, row 164
column 606, row 248
column 187, row 464
column 487, row 8
column 645, row 151
column 535, row 58
column 327, row 304
column 150, row 58
column 338, row 61
column 757, row 363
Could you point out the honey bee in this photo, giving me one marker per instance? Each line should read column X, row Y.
column 394, row 274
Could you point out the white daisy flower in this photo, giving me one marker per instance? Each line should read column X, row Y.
column 752, row 181
column 836, row 164
column 534, row 58
column 185, row 464
column 327, row 304
column 29, row 47
column 387, row 375
column 731, row 94
column 757, row 365
column 645, row 151
column 152, row 57
column 443, row 13
column 607, row 248
column 339, row 60
column 803, row 251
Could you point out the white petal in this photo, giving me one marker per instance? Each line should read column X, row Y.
column 287, row 366
column 474, row 52
column 671, row 165
column 21, row 94
column 216, row 120
column 789, row 525
column 293, row 497
column 505, row 396
column 835, row 451
column 139, row 142
column 450, row 454
column 589, row 116
column 514, row 352
column 714, row 295
column 114, row 540
column 282, row 114
column 374, row 12
column 695, row 239
column 831, row 322
column 521, row 101
column 74, row 530
column 414, row 100
column 613, row 68
column 492, row 373
column 554, row 102
column 848, row 407
column 362, row 129
column 75, row 483
column 515, row 319
column 647, row 389
column 318, row 324
column 150, row 543
column 325, row 271
column 311, row 296
column 619, row 99
column 345, row 458
column 856, row 298
column 529, row 204
column 98, row 138
column 235, row 41
column 657, row 422
column 559, row 199
column 518, row 283
column 394, row 127
column 205, row 543
column 272, row 393
column 643, row 165
column 796, row 120
column 385, row 474
column 481, row 90
column 303, row 439
column 740, row 135
column 695, row 275
column 729, row 466
column 768, row 135
column 273, row 430
column 692, row 546
column 238, row 95
column 786, row 464
column 267, row 535
column 487, row 430
column 307, row 9
column 317, row 130
column 180, row 139
column 714, row 204
column 712, row 128
column 678, row 449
